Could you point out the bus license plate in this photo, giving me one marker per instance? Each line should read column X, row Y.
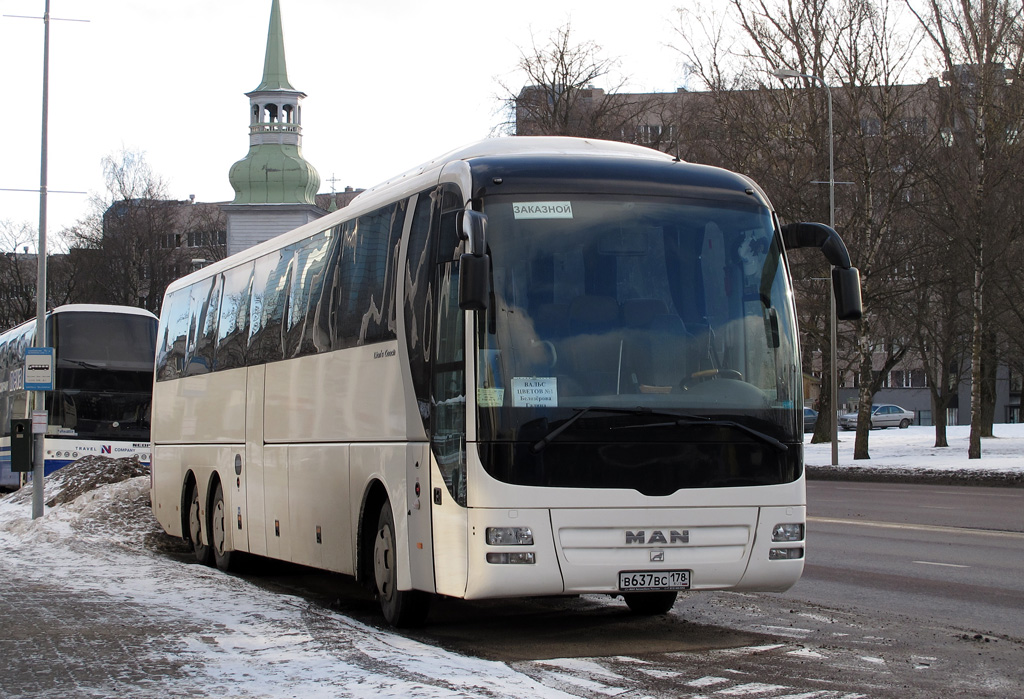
column 644, row 581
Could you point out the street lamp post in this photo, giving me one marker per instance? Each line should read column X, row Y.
column 783, row 74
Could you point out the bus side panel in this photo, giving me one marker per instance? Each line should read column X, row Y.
column 205, row 409
column 421, row 543
column 309, row 399
column 386, row 463
column 252, row 470
column 168, row 481
column 319, row 506
column 451, row 537
column 275, row 498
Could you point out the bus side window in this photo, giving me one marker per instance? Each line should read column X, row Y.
column 363, row 317
column 418, row 285
column 170, row 360
column 202, row 298
column 448, row 421
column 233, row 326
column 310, row 264
column 269, row 292
column 206, row 343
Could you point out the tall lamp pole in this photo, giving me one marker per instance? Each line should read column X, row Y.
column 783, row 74
column 39, row 403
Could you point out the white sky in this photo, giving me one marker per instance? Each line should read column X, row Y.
column 390, row 84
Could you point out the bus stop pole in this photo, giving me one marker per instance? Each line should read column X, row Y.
column 39, row 456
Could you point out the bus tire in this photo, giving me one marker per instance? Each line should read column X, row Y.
column 650, row 603
column 218, row 530
column 203, row 553
column 401, row 608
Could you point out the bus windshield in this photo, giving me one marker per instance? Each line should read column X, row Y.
column 647, row 308
column 104, row 375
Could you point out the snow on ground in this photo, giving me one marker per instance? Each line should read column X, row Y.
column 228, row 636
column 235, row 639
column 912, row 451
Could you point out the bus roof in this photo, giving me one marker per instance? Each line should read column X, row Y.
column 563, row 150
column 101, row 308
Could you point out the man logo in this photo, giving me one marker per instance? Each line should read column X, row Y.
column 657, row 537
column 657, row 556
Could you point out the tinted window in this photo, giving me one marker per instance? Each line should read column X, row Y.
column 206, row 343
column 174, row 324
column 233, row 326
column 369, row 254
column 267, row 306
column 419, row 279
column 202, row 297
column 307, row 283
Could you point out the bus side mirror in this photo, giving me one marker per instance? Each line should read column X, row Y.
column 474, row 281
column 473, row 229
column 845, row 277
column 846, row 288
column 475, row 263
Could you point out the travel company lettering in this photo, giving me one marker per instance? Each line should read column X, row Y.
column 542, row 209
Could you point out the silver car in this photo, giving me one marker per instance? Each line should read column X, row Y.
column 882, row 416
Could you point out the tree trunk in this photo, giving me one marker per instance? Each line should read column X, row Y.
column 860, row 448
column 939, row 403
column 974, row 448
column 826, row 404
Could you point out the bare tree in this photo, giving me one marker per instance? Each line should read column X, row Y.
column 17, row 274
column 561, row 96
column 781, row 138
column 981, row 51
column 127, row 250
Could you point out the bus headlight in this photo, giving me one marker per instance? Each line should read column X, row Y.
column 509, row 536
column 788, row 532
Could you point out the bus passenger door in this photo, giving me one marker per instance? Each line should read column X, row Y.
column 448, row 439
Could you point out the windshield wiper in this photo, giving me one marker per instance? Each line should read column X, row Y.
column 694, row 420
column 580, row 412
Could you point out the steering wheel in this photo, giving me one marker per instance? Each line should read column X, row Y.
column 551, row 351
column 710, row 375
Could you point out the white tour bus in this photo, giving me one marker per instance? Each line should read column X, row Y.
column 534, row 366
column 103, row 382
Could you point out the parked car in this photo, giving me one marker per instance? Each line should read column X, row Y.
column 882, row 416
column 810, row 417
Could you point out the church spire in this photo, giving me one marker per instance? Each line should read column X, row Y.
column 275, row 72
column 274, row 171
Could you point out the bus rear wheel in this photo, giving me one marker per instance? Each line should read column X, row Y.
column 649, row 603
column 202, row 552
column 218, row 530
column 401, row 608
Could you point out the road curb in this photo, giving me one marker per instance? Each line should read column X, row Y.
column 924, row 476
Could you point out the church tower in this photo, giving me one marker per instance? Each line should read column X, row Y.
column 275, row 188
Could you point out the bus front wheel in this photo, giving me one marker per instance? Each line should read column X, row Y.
column 402, row 608
column 202, row 552
column 649, row 603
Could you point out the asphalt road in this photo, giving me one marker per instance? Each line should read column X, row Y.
column 946, row 554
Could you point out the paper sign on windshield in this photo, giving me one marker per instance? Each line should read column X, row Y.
column 542, row 209
column 535, row 392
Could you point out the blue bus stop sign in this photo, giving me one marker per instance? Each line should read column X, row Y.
column 39, row 369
